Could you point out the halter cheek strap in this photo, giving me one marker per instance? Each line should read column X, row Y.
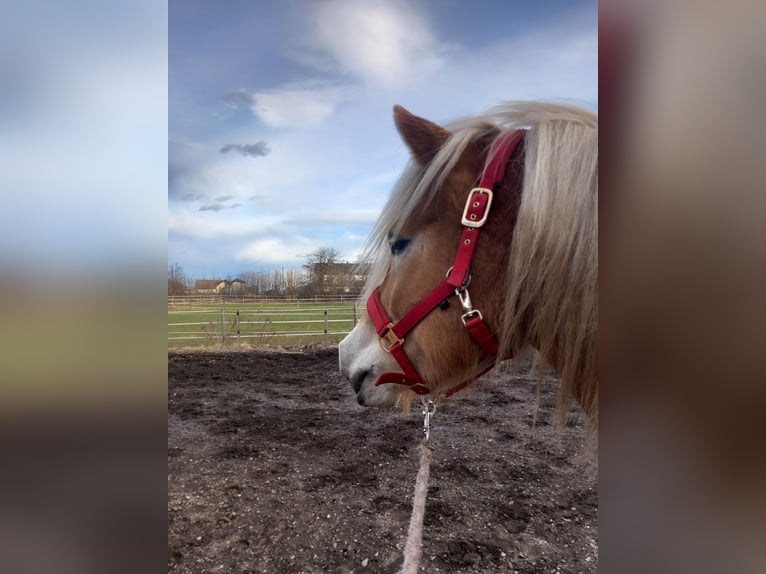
column 392, row 335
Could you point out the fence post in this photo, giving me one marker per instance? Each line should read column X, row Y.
column 354, row 314
column 223, row 327
column 325, row 326
column 239, row 344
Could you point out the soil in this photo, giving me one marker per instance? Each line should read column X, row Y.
column 273, row 467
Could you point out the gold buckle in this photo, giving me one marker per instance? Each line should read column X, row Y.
column 391, row 337
column 466, row 220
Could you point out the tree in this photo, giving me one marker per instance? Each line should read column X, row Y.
column 319, row 263
column 292, row 281
column 251, row 282
column 176, row 280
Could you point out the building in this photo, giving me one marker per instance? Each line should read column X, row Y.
column 218, row 286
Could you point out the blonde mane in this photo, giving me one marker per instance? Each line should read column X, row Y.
column 551, row 282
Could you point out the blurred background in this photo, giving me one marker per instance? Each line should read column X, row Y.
column 83, row 177
column 83, row 234
column 683, row 274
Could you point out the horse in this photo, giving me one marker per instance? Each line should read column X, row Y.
column 486, row 247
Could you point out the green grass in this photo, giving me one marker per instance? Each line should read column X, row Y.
column 266, row 324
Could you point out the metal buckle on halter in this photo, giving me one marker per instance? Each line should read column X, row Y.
column 466, row 220
column 473, row 312
column 391, row 337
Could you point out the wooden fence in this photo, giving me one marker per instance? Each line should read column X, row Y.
column 262, row 323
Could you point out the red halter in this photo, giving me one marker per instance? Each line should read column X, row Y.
column 458, row 277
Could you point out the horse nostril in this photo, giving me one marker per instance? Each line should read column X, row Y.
column 358, row 380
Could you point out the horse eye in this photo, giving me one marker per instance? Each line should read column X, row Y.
column 399, row 246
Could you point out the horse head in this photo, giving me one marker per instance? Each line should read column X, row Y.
column 449, row 293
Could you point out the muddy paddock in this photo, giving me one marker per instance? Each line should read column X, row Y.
column 273, row 467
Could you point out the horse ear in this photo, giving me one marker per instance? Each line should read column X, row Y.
column 424, row 138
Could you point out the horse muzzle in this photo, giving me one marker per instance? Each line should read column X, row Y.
column 365, row 365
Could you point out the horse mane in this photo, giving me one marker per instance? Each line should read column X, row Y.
column 551, row 280
column 552, row 277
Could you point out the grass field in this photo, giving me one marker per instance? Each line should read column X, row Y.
column 261, row 324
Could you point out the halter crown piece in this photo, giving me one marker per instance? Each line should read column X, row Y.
column 474, row 216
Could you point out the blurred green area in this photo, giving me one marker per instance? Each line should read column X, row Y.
column 81, row 348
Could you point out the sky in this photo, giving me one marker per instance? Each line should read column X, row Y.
column 280, row 130
column 83, row 139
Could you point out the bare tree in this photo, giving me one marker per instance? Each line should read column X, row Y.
column 319, row 263
column 251, row 282
column 176, row 280
column 292, row 281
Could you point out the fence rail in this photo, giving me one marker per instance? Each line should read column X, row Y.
column 198, row 299
column 262, row 323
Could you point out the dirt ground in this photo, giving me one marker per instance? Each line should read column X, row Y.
column 273, row 467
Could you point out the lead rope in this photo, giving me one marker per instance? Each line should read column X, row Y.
column 414, row 546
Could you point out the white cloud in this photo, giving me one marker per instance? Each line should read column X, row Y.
column 278, row 250
column 276, row 181
column 222, row 223
column 384, row 43
column 334, row 217
column 297, row 106
column 215, row 226
column 307, row 181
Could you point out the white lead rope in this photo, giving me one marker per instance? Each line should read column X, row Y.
column 413, row 547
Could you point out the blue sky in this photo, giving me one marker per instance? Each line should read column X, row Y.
column 281, row 137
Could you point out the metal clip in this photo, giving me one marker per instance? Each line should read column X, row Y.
column 429, row 408
column 465, row 299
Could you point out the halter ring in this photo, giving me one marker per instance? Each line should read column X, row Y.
column 467, row 281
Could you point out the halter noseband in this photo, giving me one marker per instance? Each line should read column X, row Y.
column 457, row 279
